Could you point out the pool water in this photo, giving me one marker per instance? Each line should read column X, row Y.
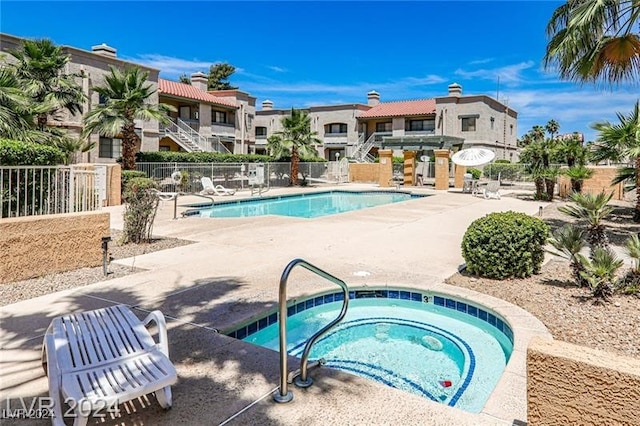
column 306, row 205
column 432, row 351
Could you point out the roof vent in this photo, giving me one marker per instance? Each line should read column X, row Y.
column 373, row 98
column 104, row 50
column 267, row 105
column 455, row 90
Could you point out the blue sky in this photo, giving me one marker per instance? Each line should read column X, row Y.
column 312, row 53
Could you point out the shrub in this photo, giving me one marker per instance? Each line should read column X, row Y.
column 17, row 153
column 126, row 177
column 199, row 157
column 140, row 210
column 506, row 244
column 507, row 172
column 476, row 173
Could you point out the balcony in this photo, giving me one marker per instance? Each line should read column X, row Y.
column 223, row 129
column 335, row 139
column 420, row 132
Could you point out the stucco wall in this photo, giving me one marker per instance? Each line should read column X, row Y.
column 33, row 246
column 364, row 172
column 600, row 181
column 574, row 385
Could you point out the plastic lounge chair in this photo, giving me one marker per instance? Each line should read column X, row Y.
column 467, row 182
column 492, row 190
column 98, row 359
column 208, row 188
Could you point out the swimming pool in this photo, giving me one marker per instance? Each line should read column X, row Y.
column 306, row 205
column 447, row 350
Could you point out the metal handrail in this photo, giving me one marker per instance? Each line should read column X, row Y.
column 283, row 394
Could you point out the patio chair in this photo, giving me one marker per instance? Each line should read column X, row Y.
column 208, row 188
column 96, row 360
column 492, row 190
column 467, row 182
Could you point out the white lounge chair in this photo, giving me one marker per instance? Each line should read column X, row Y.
column 492, row 190
column 98, row 359
column 208, row 188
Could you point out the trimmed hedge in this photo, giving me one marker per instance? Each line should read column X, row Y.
column 506, row 244
column 18, row 153
column 508, row 172
column 211, row 157
column 126, row 177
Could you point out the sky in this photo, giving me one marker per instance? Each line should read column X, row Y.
column 304, row 53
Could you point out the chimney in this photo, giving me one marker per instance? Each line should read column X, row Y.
column 455, row 90
column 104, row 50
column 199, row 80
column 373, row 98
column 267, row 105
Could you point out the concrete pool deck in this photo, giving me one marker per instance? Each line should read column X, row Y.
column 230, row 275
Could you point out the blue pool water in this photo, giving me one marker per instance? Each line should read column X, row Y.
column 437, row 352
column 306, row 205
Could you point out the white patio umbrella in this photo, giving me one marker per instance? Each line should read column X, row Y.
column 473, row 157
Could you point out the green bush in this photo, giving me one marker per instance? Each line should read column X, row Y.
column 505, row 244
column 476, row 173
column 140, row 210
column 508, row 172
column 502, row 161
column 17, row 153
column 199, row 157
column 126, row 177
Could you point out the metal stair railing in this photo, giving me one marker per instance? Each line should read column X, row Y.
column 283, row 394
column 187, row 135
column 362, row 153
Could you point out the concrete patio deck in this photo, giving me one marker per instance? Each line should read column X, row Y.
column 230, row 275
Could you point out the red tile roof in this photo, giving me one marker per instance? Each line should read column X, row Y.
column 182, row 90
column 401, row 109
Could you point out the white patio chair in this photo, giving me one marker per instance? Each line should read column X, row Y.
column 492, row 190
column 208, row 188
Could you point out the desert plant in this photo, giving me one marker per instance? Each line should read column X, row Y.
column 630, row 283
column 505, row 244
column 569, row 241
column 550, row 174
column 126, row 177
column 578, row 174
column 592, row 209
column 600, row 271
column 140, row 210
column 476, row 173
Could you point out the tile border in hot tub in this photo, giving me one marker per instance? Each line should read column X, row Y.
column 437, row 299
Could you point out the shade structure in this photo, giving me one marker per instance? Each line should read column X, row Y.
column 473, row 157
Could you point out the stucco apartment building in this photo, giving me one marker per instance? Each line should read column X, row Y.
column 227, row 120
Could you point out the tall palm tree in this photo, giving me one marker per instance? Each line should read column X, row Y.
column 127, row 99
column 619, row 142
column 16, row 116
column 296, row 140
column 40, row 68
column 552, row 128
column 595, row 40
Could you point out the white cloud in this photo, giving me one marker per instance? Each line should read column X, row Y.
column 276, row 69
column 509, row 74
column 481, row 61
column 171, row 66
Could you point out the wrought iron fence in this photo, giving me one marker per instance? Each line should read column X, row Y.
column 233, row 175
column 39, row 190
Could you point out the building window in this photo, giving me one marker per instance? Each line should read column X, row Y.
column 493, row 120
column 468, row 124
column 387, row 126
column 511, row 129
column 219, row 117
column 335, row 128
column 261, row 131
column 420, row 125
column 110, row 148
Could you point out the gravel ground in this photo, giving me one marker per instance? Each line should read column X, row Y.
column 569, row 312
column 27, row 289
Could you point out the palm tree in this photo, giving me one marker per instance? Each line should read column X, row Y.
column 126, row 97
column 600, row 271
column 569, row 241
column 621, row 141
column 578, row 174
column 552, row 128
column 593, row 209
column 296, row 140
column 40, row 70
column 594, row 40
column 16, row 116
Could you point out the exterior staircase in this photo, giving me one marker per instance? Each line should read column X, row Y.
column 189, row 139
column 362, row 148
